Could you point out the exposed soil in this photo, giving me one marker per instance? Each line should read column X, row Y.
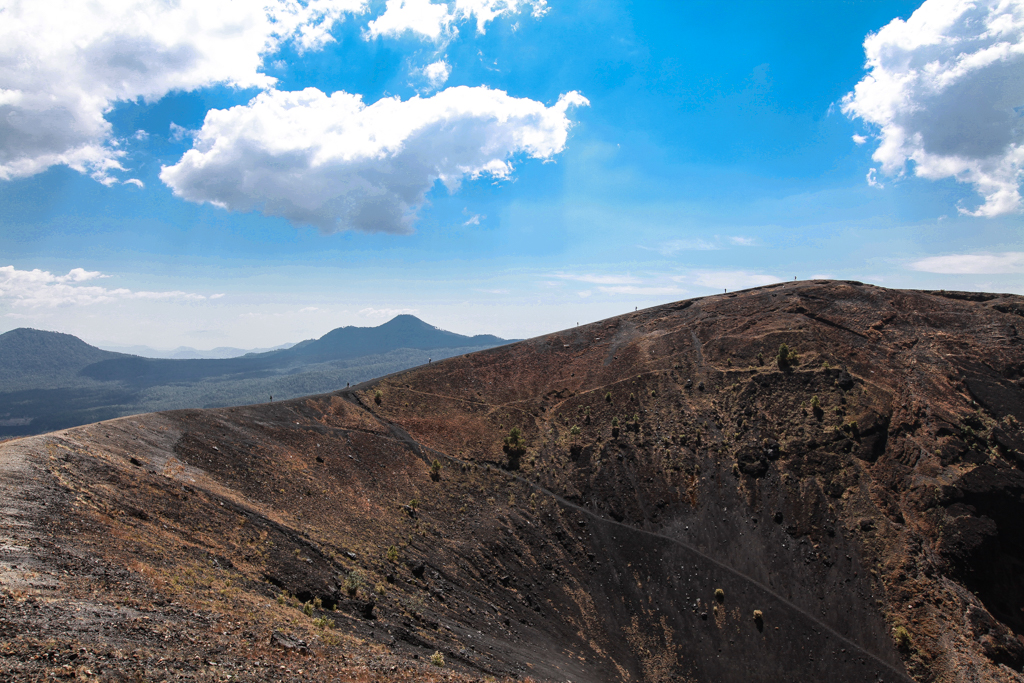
column 853, row 515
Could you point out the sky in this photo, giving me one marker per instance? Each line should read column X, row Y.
column 221, row 173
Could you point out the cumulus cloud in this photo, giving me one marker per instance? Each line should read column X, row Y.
column 65, row 63
column 336, row 163
column 437, row 73
column 945, row 90
column 972, row 264
column 417, row 16
column 42, row 289
column 436, row 21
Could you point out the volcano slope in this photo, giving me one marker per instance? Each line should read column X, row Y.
column 853, row 514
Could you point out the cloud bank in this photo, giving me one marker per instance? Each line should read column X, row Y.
column 972, row 264
column 946, row 90
column 336, row 163
column 42, row 289
column 65, row 63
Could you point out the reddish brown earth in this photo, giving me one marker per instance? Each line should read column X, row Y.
column 867, row 503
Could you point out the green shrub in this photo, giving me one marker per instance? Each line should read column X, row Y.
column 324, row 623
column 514, row 440
column 815, row 403
column 437, row 659
column 901, row 637
column 786, row 358
column 377, row 397
column 435, row 470
column 392, row 554
column 307, row 609
column 719, row 595
column 608, row 397
column 353, row 582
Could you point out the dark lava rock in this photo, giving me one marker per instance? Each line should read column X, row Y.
column 289, row 643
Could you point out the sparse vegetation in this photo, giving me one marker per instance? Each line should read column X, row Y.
column 758, row 616
column 514, row 440
column 437, row 659
column 435, row 470
column 815, row 403
column 392, row 553
column 377, row 397
column 786, row 357
column 324, row 623
column 353, row 582
column 901, row 637
column 608, row 397
column 719, row 595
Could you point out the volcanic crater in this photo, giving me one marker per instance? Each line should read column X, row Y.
column 661, row 496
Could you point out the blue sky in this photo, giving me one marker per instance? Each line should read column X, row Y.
column 572, row 161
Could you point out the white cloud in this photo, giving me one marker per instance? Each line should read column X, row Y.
column 972, row 264
column 945, row 89
column 597, row 279
column 872, row 178
column 642, row 291
column 859, row 139
column 65, row 63
column 418, row 16
column 42, row 289
column 436, row 21
column 179, row 133
column 337, row 163
column 386, row 312
column 437, row 73
column 474, row 219
column 729, row 279
column 134, row 181
column 585, row 293
column 673, row 247
column 141, row 135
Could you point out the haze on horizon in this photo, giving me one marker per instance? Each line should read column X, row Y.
column 196, row 174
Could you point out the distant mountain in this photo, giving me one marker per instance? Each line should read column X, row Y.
column 343, row 343
column 51, row 381
column 37, row 359
column 401, row 332
column 187, row 352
